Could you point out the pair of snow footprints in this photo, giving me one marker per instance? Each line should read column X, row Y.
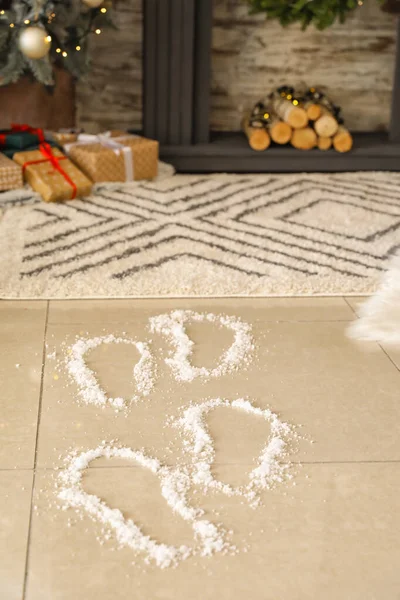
column 176, row 482
column 172, row 326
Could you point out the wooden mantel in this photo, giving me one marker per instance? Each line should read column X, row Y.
column 177, row 75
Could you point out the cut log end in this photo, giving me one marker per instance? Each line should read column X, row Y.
column 281, row 132
column 258, row 138
column 313, row 112
column 343, row 141
column 326, row 126
column 324, row 143
column 297, row 117
column 304, row 139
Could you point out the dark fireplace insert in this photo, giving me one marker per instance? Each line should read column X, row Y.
column 176, row 104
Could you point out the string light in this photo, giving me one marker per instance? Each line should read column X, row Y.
column 27, row 21
column 1, row 12
column 77, row 48
column 64, row 54
column 48, row 38
column 103, row 10
column 12, row 25
column 295, row 102
column 58, row 50
column 98, row 31
column 266, row 115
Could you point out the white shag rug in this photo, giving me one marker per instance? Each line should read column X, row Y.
column 204, row 235
column 380, row 315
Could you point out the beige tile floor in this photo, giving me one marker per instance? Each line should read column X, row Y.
column 334, row 535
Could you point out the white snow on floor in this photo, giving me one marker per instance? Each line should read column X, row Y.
column 270, row 469
column 175, row 484
column 172, row 325
column 271, row 466
column 90, row 391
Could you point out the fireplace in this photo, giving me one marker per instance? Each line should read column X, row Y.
column 176, row 105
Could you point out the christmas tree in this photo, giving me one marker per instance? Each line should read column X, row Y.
column 37, row 34
column 321, row 13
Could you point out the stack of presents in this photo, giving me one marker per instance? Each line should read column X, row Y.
column 64, row 165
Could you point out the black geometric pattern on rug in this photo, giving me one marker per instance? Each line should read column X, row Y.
column 269, row 220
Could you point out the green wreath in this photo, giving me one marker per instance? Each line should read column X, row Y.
column 321, row 13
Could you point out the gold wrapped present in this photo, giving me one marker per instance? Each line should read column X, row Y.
column 108, row 158
column 52, row 174
column 63, row 138
column 10, row 174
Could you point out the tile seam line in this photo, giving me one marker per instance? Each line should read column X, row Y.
column 350, row 306
column 124, row 323
column 377, row 342
column 301, row 462
column 388, row 356
column 36, row 452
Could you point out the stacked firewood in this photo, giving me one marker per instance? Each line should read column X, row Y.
column 305, row 119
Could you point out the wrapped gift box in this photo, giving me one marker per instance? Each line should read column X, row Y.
column 20, row 137
column 107, row 158
column 63, row 136
column 52, row 174
column 11, row 151
column 10, row 174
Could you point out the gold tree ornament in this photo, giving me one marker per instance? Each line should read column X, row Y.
column 34, row 42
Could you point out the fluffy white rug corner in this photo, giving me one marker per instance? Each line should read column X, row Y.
column 380, row 315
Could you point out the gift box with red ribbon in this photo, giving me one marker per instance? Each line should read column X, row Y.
column 20, row 137
column 52, row 174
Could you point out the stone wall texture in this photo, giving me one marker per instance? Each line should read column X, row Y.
column 110, row 97
column 354, row 62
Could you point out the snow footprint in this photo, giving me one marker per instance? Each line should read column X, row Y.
column 175, row 484
column 89, row 387
column 199, row 443
column 172, row 326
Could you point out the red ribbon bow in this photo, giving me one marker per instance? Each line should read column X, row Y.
column 46, row 150
column 15, row 128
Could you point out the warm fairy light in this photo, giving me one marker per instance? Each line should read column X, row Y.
column 295, row 102
column 289, row 96
column 103, row 10
column 58, row 50
column 64, row 54
column 48, row 38
column 1, row 12
column 360, row 2
column 12, row 25
column 77, row 48
column 98, row 31
column 27, row 21
column 266, row 115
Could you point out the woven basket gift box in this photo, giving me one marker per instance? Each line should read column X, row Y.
column 101, row 163
column 10, row 174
